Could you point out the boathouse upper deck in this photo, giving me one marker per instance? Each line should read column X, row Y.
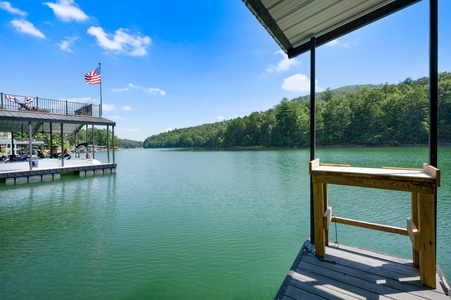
column 46, row 115
column 41, row 115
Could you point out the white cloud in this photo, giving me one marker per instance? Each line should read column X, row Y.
column 66, row 11
column 121, row 42
column 156, row 91
column 120, row 90
column 332, row 43
column 297, row 83
column 339, row 43
column 126, row 108
column 131, row 129
column 15, row 11
column 284, row 65
column 66, row 43
column 117, row 118
column 169, row 129
column 81, row 99
column 151, row 90
column 27, row 27
column 108, row 107
column 220, row 118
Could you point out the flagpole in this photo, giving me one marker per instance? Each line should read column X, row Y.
column 100, row 92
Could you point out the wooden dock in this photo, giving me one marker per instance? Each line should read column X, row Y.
column 49, row 174
column 354, row 273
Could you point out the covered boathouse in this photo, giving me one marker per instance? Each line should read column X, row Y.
column 30, row 115
column 323, row 271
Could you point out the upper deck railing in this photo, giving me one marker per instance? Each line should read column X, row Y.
column 42, row 105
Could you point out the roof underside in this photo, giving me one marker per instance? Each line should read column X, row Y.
column 15, row 121
column 292, row 23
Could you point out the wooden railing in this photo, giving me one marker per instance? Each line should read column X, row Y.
column 421, row 228
column 42, row 105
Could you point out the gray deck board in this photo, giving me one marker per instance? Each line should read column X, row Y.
column 354, row 273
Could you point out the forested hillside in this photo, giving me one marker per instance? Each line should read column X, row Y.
column 127, row 144
column 363, row 115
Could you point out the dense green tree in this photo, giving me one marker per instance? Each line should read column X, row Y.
column 444, row 103
column 336, row 118
column 291, row 120
column 359, row 115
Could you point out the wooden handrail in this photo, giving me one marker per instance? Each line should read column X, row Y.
column 368, row 225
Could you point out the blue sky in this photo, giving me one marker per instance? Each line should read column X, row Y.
column 176, row 64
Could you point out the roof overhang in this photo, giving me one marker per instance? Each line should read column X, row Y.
column 15, row 121
column 293, row 23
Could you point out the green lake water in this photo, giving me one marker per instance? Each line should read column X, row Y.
column 193, row 224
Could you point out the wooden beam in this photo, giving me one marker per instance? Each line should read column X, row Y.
column 414, row 234
column 370, row 181
column 318, row 208
column 336, row 165
column 433, row 172
column 414, row 208
column 314, row 164
column 327, row 218
column 426, row 226
column 368, row 225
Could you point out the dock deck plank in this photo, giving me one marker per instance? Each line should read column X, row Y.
column 354, row 273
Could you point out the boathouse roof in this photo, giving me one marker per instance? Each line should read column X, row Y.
column 17, row 121
column 292, row 23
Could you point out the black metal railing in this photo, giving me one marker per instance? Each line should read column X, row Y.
column 43, row 105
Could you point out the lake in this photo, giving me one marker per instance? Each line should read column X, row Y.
column 182, row 224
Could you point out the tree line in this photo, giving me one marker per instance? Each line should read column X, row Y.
column 389, row 114
column 71, row 140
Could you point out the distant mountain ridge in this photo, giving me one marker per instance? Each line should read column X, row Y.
column 341, row 91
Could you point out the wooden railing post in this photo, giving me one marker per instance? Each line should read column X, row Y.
column 426, row 227
column 320, row 234
column 415, row 253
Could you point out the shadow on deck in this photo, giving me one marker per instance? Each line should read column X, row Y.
column 354, row 273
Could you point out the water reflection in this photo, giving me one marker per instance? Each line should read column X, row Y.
column 234, row 217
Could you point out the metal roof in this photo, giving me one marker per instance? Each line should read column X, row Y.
column 17, row 121
column 292, row 23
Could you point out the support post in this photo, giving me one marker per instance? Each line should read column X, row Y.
column 312, row 130
column 86, row 137
column 100, row 86
column 51, row 140
column 320, row 234
column 414, row 209
column 13, row 152
column 93, row 143
column 433, row 82
column 114, row 157
column 426, row 226
column 108, row 142
column 30, row 145
column 433, row 100
column 77, row 142
column 62, row 145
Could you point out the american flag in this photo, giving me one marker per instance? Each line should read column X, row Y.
column 93, row 77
